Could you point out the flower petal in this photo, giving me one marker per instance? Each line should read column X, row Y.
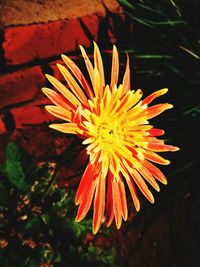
column 126, row 80
column 133, row 194
column 78, row 74
column 116, row 203
column 109, row 200
column 152, row 156
column 73, row 84
column 155, row 132
column 56, row 98
column 161, row 147
column 140, row 182
column 122, row 194
column 157, row 109
column 86, row 203
column 149, row 178
column 98, row 64
column 88, row 64
column 142, row 185
column 70, row 128
column 85, row 183
column 63, row 90
column 115, row 67
column 155, row 171
column 154, row 95
column 99, row 204
column 59, row 112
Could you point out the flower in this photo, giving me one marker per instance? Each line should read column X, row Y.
column 114, row 123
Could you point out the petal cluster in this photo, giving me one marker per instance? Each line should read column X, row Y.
column 113, row 122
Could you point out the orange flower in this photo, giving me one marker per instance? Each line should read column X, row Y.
column 113, row 121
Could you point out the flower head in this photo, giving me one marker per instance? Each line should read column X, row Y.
column 114, row 123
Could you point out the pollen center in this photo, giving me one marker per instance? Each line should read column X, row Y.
column 105, row 132
column 109, row 133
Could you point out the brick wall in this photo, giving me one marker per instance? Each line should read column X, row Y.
column 33, row 34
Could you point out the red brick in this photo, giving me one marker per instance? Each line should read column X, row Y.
column 56, row 72
column 38, row 41
column 21, row 86
column 2, row 126
column 31, row 114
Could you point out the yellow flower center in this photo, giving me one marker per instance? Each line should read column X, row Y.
column 107, row 133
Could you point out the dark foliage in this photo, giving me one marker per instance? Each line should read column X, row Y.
column 37, row 219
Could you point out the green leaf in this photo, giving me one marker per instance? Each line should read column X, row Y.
column 14, row 169
column 20, row 169
column 140, row 21
column 126, row 3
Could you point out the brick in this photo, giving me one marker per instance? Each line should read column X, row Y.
column 23, row 12
column 38, row 41
column 2, row 126
column 55, row 71
column 21, row 86
column 31, row 114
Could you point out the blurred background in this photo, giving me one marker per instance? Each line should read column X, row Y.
column 37, row 181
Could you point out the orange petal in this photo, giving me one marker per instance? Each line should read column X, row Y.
column 78, row 74
column 142, row 185
column 86, row 202
column 154, row 95
column 161, row 147
column 73, row 84
column 97, row 83
column 63, row 90
column 99, row 204
column 70, row 128
column 126, row 79
column 116, row 203
column 109, row 200
column 56, row 98
column 76, row 117
column 98, row 64
column 155, row 132
column 131, row 186
column 115, row 67
column 59, row 112
column 152, row 156
column 88, row 65
column 155, row 171
column 157, row 109
column 122, row 194
column 85, row 183
column 140, row 182
column 148, row 177
column 133, row 194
